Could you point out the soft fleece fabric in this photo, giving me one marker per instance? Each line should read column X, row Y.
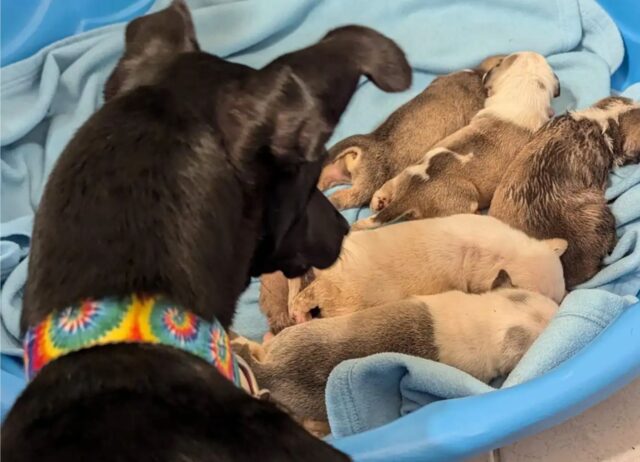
column 47, row 97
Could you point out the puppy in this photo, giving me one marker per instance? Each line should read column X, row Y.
column 462, row 172
column 555, row 186
column 195, row 175
column 424, row 257
column 367, row 161
column 484, row 335
column 274, row 300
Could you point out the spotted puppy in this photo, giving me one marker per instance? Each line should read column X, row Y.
column 367, row 161
column 555, row 187
column 462, row 172
column 423, row 257
column 484, row 335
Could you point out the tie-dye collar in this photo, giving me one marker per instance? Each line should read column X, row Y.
column 130, row 320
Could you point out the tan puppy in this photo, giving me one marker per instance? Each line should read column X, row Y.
column 367, row 161
column 484, row 335
column 555, row 186
column 461, row 252
column 462, row 172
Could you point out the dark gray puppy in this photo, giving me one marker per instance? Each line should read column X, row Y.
column 484, row 335
column 555, row 186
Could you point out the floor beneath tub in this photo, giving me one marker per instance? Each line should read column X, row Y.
column 608, row 432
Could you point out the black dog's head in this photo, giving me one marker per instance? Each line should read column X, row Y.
column 286, row 112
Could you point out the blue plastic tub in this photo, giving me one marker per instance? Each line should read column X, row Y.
column 445, row 430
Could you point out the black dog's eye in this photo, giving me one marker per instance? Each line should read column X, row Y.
column 315, row 312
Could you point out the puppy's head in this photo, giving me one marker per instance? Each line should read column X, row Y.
column 516, row 68
column 539, row 269
column 151, row 43
column 629, row 123
column 535, row 267
column 630, row 126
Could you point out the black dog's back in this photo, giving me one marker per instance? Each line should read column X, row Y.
column 147, row 411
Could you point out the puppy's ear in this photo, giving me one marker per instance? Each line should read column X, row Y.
column 502, row 281
column 501, row 65
column 151, row 42
column 556, row 90
column 559, row 246
column 490, row 62
column 296, row 101
column 630, row 129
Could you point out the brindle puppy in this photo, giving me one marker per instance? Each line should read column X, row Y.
column 367, row 161
column 555, row 186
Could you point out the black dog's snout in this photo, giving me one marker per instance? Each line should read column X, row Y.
column 344, row 224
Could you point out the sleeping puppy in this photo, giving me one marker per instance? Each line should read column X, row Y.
column 424, row 257
column 462, row 172
column 195, row 175
column 367, row 161
column 484, row 335
column 555, row 186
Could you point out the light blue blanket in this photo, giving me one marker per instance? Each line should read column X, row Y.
column 47, row 97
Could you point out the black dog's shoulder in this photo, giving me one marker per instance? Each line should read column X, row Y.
column 143, row 199
column 73, row 412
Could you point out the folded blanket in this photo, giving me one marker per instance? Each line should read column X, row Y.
column 47, row 97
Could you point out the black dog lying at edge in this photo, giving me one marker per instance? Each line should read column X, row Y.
column 195, row 175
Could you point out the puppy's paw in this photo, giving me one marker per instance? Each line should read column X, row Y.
column 317, row 428
column 343, row 199
column 379, row 201
column 366, row 223
column 247, row 349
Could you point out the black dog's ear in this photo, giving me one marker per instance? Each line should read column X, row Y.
column 151, row 42
column 297, row 100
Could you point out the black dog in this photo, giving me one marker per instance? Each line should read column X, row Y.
column 195, row 175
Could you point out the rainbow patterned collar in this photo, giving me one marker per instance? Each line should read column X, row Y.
column 129, row 320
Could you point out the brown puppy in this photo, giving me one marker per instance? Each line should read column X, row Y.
column 555, row 186
column 484, row 335
column 367, row 161
column 462, row 172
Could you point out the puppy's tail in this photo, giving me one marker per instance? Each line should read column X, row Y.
column 343, row 158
